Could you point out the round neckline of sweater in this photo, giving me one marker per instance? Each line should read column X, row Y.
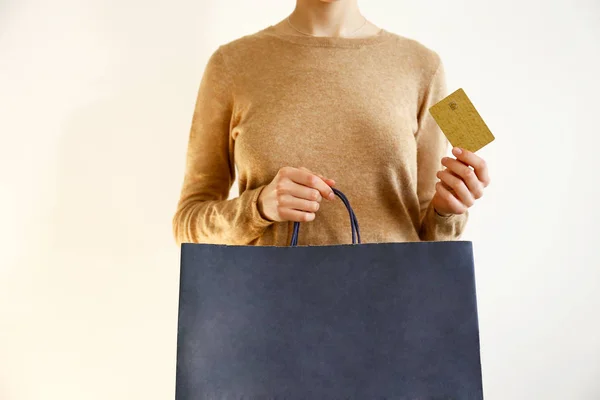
column 329, row 41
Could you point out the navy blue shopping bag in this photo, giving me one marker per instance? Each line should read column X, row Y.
column 354, row 321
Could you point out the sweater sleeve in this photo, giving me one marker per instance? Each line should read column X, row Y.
column 432, row 146
column 204, row 214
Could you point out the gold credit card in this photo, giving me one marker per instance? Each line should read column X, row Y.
column 460, row 122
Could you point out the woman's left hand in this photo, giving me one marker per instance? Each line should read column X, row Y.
column 461, row 182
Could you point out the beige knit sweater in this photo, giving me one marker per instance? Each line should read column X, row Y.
column 352, row 109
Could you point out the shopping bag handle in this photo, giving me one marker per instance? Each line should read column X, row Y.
column 353, row 221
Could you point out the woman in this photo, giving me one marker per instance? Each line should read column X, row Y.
column 323, row 98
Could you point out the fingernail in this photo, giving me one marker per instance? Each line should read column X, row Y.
column 331, row 196
column 457, row 151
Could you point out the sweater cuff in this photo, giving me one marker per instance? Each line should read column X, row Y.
column 436, row 227
column 258, row 218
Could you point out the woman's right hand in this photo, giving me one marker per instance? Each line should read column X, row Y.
column 295, row 195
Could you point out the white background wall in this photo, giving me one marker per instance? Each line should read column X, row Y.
column 95, row 106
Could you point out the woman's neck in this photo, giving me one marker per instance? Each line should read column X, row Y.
column 320, row 18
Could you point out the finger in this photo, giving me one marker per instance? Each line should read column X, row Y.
column 310, row 180
column 448, row 188
column 455, row 206
column 473, row 160
column 467, row 174
column 458, row 187
column 296, row 203
column 304, row 192
column 288, row 214
column 330, row 182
